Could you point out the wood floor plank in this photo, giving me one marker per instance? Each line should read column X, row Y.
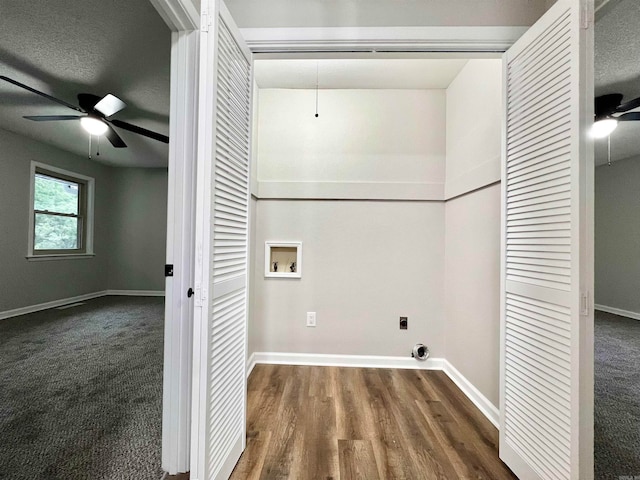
column 398, row 438
column 329, row 423
column 462, row 456
column 428, row 455
column 180, row 476
column 473, row 429
column 250, row 465
column 284, row 448
column 354, row 415
column 357, row 460
column 319, row 456
column 263, row 401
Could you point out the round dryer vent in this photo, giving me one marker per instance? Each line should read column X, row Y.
column 420, row 351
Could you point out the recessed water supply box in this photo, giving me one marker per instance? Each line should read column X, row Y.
column 283, row 259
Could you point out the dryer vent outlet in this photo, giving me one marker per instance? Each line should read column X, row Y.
column 420, row 352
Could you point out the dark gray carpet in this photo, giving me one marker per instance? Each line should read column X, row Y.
column 81, row 392
column 617, row 397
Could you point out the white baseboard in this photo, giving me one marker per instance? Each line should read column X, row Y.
column 137, row 293
column 477, row 398
column 618, row 311
column 80, row 298
column 53, row 304
column 251, row 362
column 329, row 360
column 369, row 361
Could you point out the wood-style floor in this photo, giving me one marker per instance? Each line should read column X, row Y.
column 313, row 423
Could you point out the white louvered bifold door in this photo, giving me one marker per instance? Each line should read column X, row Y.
column 546, row 404
column 221, row 359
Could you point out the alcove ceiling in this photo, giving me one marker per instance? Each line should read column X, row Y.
column 357, row 73
column 617, row 70
column 66, row 47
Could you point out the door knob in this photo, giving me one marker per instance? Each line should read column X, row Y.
column 190, row 292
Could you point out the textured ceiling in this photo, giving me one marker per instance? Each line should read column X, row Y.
column 66, row 47
column 617, row 70
column 333, row 74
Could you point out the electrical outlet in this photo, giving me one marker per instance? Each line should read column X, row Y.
column 404, row 323
column 311, row 319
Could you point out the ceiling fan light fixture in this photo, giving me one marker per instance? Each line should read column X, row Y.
column 603, row 128
column 93, row 125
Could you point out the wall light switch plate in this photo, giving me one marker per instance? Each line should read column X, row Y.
column 311, row 319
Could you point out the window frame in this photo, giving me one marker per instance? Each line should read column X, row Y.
column 85, row 213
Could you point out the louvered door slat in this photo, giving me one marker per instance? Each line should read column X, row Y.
column 553, row 88
column 549, row 69
column 518, row 191
column 540, row 434
column 226, row 390
column 232, row 102
column 552, row 106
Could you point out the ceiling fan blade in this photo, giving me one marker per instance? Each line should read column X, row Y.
column 109, row 105
column 114, row 138
column 37, row 92
column 628, row 117
column 630, row 105
column 49, row 118
column 140, row 131
column 87, row 101
column 605, row 105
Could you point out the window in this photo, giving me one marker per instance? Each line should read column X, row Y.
column 61, row 213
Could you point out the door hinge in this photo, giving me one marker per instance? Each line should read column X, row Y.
column 205, row 22
column 200, row 294
column 168, row 270
column 584, row 303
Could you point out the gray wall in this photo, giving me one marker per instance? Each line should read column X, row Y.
column 24, row 283
column 27, row 283
column 472, row 224
column 364, row 264
column 472, row 299
column 138, row 229
column 617, row 235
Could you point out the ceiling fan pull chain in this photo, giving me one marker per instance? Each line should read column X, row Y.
column 89, row 146
column 98, row 149
column 609, row 150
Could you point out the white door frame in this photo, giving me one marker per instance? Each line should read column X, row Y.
column 380, row 42
column 183, row 19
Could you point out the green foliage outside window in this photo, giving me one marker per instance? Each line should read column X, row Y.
column 55, row 232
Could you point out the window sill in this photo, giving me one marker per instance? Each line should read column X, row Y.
column 59, row 256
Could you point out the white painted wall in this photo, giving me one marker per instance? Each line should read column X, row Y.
column 617, row 235
column 474, row 121
column 251, row 337
column 472, row 223
column 365, row 264
column 472, row 288
column 360, row 136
